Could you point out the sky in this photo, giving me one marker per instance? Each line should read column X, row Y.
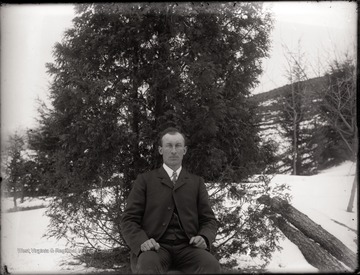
column 321, row 30
column 29, row 32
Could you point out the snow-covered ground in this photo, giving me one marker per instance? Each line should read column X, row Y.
column 323, row 197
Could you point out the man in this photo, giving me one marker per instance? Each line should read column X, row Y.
column 168, row 221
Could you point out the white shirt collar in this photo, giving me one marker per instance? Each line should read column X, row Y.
column 170, row 171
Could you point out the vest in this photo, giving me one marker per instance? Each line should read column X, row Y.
column 174, row 230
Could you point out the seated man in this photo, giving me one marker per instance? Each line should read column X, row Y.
column 168, row 221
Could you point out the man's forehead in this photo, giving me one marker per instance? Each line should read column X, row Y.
column 173, row 137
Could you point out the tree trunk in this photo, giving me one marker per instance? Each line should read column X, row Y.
column 295, row 149
column 312, row 230
column 14, row 200
column 15, row 195
column 352, row 195
column 22, row 193
column 313, row 253
column 135, row 110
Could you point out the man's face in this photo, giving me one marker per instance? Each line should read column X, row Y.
column 173, row 150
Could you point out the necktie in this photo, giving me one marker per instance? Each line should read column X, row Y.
column 173, row 177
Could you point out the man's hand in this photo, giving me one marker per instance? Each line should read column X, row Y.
column 150, row 244
column 198, row 241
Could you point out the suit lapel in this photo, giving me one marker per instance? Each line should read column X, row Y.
column 182, row 179
column 164, row 177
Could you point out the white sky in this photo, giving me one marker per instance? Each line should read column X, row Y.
column 29, row 32
column 325, row 29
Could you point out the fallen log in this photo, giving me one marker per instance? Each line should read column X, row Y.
column 312, row 230
column 313, row 253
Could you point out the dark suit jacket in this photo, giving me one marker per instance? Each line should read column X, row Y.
column 151, row 203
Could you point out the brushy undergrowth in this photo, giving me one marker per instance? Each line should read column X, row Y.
column 117, row 260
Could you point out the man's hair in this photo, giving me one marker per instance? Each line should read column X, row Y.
column 172, row 131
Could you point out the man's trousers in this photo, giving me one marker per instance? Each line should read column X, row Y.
column 182, row 257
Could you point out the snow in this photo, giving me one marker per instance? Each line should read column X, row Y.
column 323, row 197
column 29, row 202
column 268, row 102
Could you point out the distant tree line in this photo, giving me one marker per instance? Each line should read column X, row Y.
column 316, row 117
column 20, row 170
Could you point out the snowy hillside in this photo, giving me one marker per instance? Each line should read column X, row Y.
column 322, row 197
column 273, row 105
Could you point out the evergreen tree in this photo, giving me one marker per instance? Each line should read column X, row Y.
column 297, row 115
column 122, row 74
column 15, row 167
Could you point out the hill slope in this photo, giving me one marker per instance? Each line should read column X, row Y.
column 271, row 117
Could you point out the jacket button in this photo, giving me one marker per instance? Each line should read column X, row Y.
column 169, row 208
column 163, row 224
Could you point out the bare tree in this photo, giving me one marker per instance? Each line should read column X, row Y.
column 294, row 103
column 337, row 103
column 338, row 108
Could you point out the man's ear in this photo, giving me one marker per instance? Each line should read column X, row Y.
column 185, row 150
column 160, row 150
